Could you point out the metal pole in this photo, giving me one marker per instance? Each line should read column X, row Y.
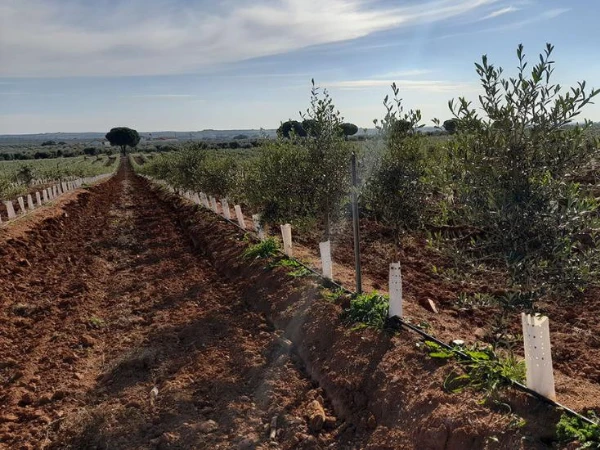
column 355, row 227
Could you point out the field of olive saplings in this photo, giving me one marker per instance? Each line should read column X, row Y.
column 200, row 300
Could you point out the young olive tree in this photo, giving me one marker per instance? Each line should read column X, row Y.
column 512, row 167
column 328, row 155
column 396, row 193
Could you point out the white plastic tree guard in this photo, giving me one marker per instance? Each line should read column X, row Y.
column 325, row 250
column 204, row 199
column 10, row 210
column 286, row 233
column 395, row 290
column 538, row 358
column 38, row 198
column 30, row 202
column 258, row 227
column 22, row 205
column 225, row 207
column 214, row 206
column 50, row 193
column 196, row 198
column 240, row 216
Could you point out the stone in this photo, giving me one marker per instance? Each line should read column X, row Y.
column 316, row 416
column 208, row 426
column 246, row 444
column 330, row 422
column 87, row 341
column 479, row 333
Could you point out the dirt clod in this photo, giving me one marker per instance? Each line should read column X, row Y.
column 316, row 415
column 208, row 426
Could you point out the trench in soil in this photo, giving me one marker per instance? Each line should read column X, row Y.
column 129, row 321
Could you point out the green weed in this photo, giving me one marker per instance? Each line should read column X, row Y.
column 571, row 429
column 369, row 310
column 298, row 270
column 484, row 370
column 333, row 295
column 476, row 300
column 264, row 249
column 96, row 322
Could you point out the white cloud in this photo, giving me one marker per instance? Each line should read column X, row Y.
column 146, row 37
column 546, row 15
column 165, row 96
column 404, row 73
column 499, row 12
column 406, row 85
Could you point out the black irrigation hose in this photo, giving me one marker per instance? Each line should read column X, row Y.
column 429, row 337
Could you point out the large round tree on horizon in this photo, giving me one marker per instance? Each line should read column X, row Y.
column 123, row 137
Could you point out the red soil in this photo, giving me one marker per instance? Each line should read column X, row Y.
column 127, row 289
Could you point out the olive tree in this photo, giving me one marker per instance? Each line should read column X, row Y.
column 511, row 172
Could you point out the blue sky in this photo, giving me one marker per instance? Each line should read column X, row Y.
column 81, row 65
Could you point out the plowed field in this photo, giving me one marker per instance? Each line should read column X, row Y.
column 128, row 321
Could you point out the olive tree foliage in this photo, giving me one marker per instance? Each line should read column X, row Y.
column 329, row 156
column 123, row 137
column 198, row 169
column 305, row 179
column 396, row 191
column 511, row 170
column 278, row 183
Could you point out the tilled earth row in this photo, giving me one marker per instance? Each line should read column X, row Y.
column 116, row 333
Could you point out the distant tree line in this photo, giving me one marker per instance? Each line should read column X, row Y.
column 310, row 128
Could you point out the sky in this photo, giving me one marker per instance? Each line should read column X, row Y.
column 187, row 65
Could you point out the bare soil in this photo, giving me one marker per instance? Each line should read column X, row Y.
column 129, row 321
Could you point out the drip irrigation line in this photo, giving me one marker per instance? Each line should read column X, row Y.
column 512, row 382
column 426, row 335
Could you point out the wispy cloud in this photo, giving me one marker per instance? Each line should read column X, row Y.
column 404, row 73
column 546, row 15
column 165, row 96
column 499, row 12
column 57, row 38
column 412, row 85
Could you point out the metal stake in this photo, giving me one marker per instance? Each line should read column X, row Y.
column 355, row 227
